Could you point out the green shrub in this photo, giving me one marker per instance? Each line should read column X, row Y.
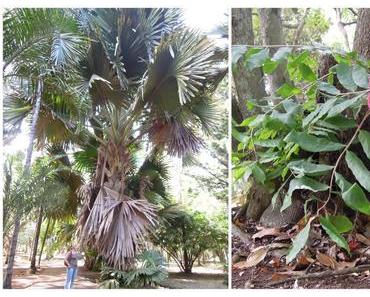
column 149, row 273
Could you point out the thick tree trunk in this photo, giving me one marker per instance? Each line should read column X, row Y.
column 7, row 284
column 36, row 241
column 361, row 43
column 272, row 34
column 248, row 84
column 43, row 242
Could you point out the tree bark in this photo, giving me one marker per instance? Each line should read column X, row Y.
column 361, row 45
column 7, row 284
column 361, row 42
column 248, row 84
column 272, row 34
column 36, row 241
column 43, row 242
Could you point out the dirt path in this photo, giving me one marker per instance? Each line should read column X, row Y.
column 52, row 273
column 51, row 276
column 203, row 277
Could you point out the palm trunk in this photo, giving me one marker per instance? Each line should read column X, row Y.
column 36, row 242
column 43, row 242
column 9, row 270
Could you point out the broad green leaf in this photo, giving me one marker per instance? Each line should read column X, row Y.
column 301, row 183
column 268, row 156
column 299, row 242
column 237, row 51
column 257, row 121
column 328, row 88
column 306, row 72
column 338, row 108
column 341, row 122
column 319, row 112
column 269, row 66
column 298, row 60
column 288, row 118
column 287, row 90
column 358, row 169
column 360, row 76
column 355, row 198
column 268, row 142
column 312, row 143
column 343, row 184
column 241, row 171
column 282, row 53
column 341, row 223
column 256, row 60
column 344, row 74
column 305, row 167
column 333, row 233
column 258, row 173
column 247, row 121
column 364, row 138
column 242, row 137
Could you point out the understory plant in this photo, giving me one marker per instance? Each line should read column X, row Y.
column 148, row 273
column 310, row 140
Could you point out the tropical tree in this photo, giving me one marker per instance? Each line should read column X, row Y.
column 188, row 236
column 151, row 81
column 41, row 49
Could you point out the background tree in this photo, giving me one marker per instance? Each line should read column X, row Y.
column 41, row 45
column 188, row 236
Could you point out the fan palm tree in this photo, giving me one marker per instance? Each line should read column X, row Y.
column 42, row 48
column 151, row 81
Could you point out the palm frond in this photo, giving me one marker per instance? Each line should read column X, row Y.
column 115, row 227
column 27, row 29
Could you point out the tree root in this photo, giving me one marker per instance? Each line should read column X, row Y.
column 322, row 274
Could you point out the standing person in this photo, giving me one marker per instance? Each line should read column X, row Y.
column 71, row 262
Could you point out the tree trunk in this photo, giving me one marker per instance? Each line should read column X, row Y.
column 361, row 45
column 188, row 263
column 272, row 34
column 361, row 42
column 248, row 84
column 36, row 241
column 9, row 270
column 43, row 242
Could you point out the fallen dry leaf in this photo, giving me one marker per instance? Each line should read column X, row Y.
column 332, row 251
column 254, row 258
column 266, row 232
column 361, row 238
column 282, row 237
column 302, row 262
column 278, row 245
column 341, row 265
column 326, row 260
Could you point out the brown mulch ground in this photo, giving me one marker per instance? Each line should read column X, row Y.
column 267, row 272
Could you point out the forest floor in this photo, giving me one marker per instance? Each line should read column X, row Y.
column 52, row 273
column 255, row 266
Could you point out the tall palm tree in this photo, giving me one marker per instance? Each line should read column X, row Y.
column 41, row 50
column 151, row 81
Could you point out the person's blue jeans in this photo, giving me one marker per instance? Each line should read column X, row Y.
column 71, row 275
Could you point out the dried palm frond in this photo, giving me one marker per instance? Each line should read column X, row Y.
column 115, row 226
